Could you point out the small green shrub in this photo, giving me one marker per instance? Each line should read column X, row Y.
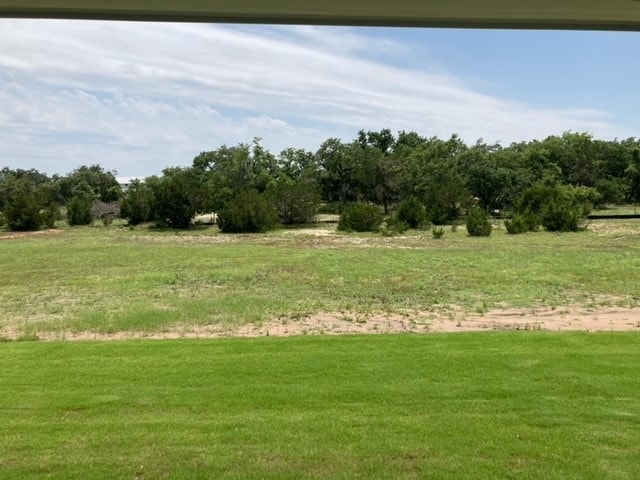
column 360, row 217
column 413, row 213
column 22, row 212
column 295, row 202
column 79, row 210
column 393, row 226
column 437, row 232
column 50, row 215
column 517, row 225
column 248, row 212
column 478, row 223
column 560, row 215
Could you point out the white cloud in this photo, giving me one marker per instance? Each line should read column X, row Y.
column 137, row 96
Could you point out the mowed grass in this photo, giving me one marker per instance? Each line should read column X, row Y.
column 114, row 279
column 444, row 406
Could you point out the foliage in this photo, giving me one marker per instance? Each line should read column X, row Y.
column 518, row 224
column 412, row 212
column 178, row 195
column 248, row 212
column 360, row 217
column 79, row 210
column 437, row 232
column 478, row 222
column 136, row 203
column 94, row 180
column 227, row 171
column 22, row 210
column 445, row 175
column 296, row 202
column 393, row 226
column 50, row 215
column 559, row 208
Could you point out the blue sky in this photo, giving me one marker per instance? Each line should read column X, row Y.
column 137, row 97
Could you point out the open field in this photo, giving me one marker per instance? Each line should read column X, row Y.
column 465, row 406
column 106, row 281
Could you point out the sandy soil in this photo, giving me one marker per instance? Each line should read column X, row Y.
column 14, row 235
column 344, row 323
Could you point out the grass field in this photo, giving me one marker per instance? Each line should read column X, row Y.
column 444, row 406
column 524, row 405
column 115, row 279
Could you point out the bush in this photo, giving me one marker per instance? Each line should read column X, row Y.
column 360, row 217
column 2, row 220
column 437, row 232
column 136, row 203
column 295, row 202
column 22, row 212
column 413, row 213
column 248, row 212
column 478, row 223
column 518, row 224
column 79, row 210
column 50, row 215
column 561, row 215
column 559, row 208
column 393, row 226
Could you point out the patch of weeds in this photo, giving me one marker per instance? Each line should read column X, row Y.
column 437, row 232
column 482, row 308
column 28, row 337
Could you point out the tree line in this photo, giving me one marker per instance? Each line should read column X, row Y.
column 552, row 183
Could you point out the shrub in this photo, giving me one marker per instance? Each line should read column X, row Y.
column 478, row 223
column 393, row 226
column 79, row 210
column 559, row 208
column 2, row 220
column 412, row 213
column 50, row 214
column 22, row 212
column 518, row 224
column 437, row 232
column 360, row 217
column 136, row 203
column 561, row 215
column 295, row 202
column 248, row 212
column 177, row 196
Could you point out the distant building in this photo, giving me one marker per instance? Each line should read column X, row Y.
column 125, row 182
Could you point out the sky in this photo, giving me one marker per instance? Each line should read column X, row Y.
column 138, row 97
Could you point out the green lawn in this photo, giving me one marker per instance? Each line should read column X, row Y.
column 116, row 279
column 445, row 406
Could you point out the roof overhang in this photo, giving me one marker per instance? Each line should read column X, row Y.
column 536, row 14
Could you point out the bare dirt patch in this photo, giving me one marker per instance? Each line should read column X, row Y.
column 14, row 235
column 345, row 323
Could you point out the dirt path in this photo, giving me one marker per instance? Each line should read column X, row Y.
column 344, row 323
column 14, row 235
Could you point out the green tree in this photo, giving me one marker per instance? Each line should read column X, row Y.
column 22, row 209
column 478, row 223
column 227, row 171
column 338, row 170
column 295, row 201
column 178, row 195
column 360, row 217
column 102, row 185
column 79, row 210
column 137, row 203
column 248, row 212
